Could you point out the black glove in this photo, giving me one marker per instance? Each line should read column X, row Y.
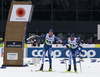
column 62, row 42
column 67, row 46
column 81, row 58
column 38, row 44
column 81, row 52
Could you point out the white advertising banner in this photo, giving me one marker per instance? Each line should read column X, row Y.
column 98, row 32
column 21, row 13
column 12, row 56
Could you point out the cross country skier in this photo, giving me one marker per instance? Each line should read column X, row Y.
column 80, row 46
column 49, row 39
column 72, row 44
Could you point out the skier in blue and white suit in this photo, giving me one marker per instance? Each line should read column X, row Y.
column 80, row 46
column 49, row 39
column 72, row 44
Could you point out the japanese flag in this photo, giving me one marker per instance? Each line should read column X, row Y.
column 21, row 13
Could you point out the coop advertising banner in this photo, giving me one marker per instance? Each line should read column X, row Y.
column 21, row 12
column 59, row 53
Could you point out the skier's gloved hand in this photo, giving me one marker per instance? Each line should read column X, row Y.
column 62, row 43
column 81, row 52
column 67, row 46
column 38, row 44
column 81, row 58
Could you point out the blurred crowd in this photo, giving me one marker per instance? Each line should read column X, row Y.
column 84, row 38
column 1, row 40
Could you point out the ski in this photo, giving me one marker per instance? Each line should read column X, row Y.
column 39, row 70
column 42, row 71
column 49, row 71
column 70, row 72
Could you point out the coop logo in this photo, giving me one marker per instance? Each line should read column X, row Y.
column 58, row 54
column 38, row 53
column 89, row 53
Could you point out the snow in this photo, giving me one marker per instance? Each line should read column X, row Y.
column 88, row 70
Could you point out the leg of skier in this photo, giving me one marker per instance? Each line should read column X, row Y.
column 50, row 60
column 43, row 56
column 74, row 61
column 70, row 56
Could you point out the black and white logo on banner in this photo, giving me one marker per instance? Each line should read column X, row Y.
column 14, row 44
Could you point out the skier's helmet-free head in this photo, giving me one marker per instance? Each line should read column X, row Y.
column 71, row 36
column 51, row 32
column 78, row 37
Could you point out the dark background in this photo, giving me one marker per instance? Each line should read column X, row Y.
column 78, row 16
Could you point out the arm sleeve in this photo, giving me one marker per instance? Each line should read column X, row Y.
column 65, row 42
column 42, row 38
column 80, row 44
column 58, row 39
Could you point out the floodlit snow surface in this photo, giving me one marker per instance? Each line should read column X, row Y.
column 88, row 70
